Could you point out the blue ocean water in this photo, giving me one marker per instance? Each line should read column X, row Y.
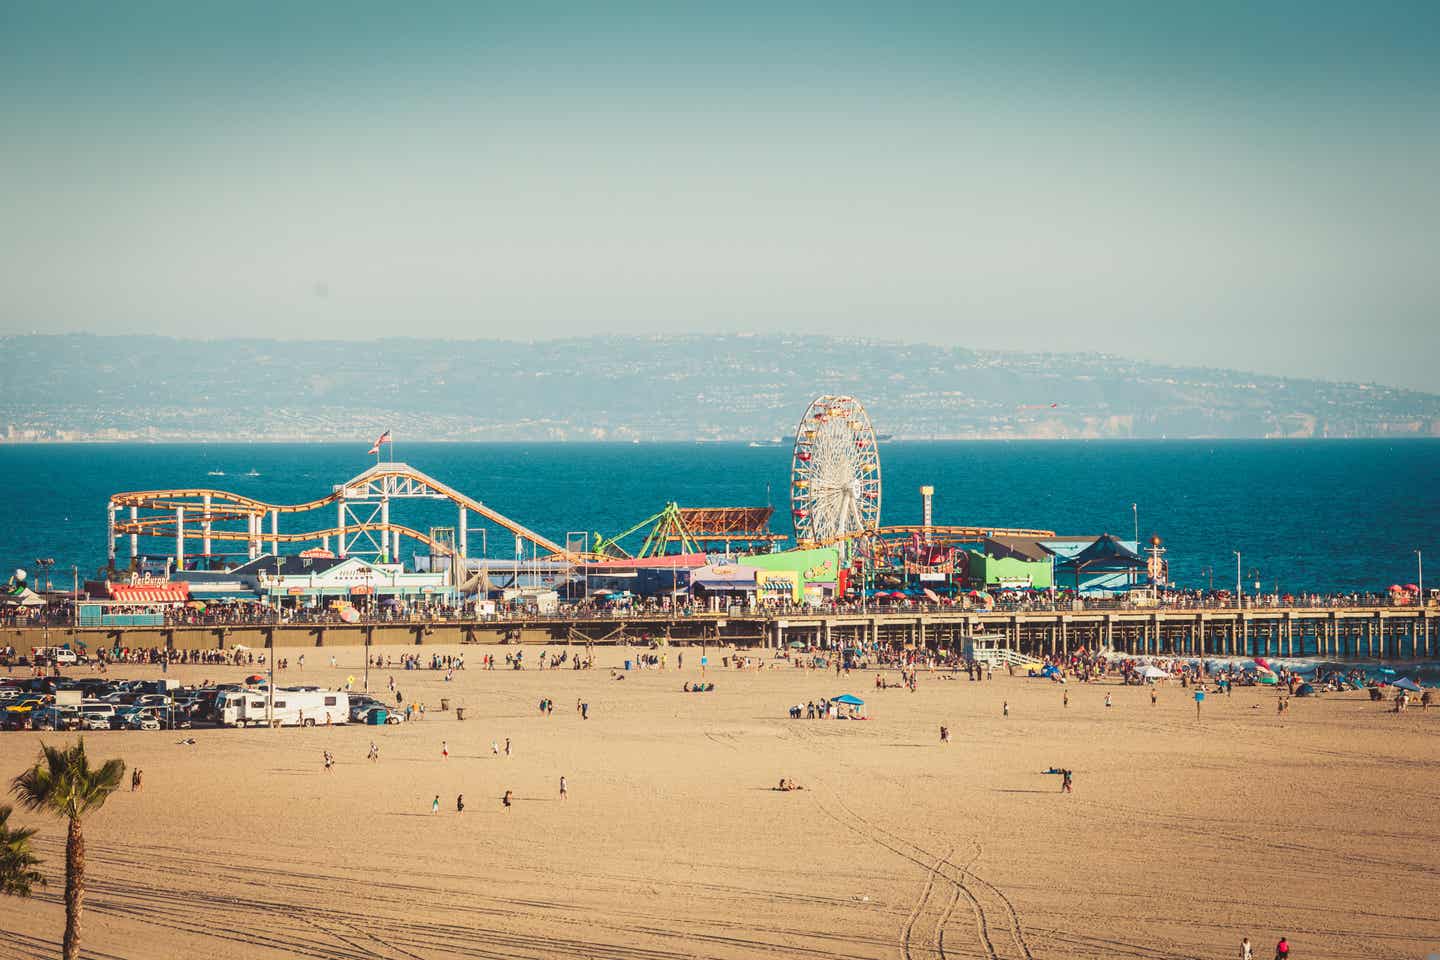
column 1306, row 515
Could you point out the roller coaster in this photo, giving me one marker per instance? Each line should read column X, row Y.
column 363, row 526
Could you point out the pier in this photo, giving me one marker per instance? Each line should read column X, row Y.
column 1334, row 633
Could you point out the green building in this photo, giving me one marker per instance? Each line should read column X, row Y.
column 985, row 572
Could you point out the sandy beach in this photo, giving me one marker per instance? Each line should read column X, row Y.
column 1181, row 836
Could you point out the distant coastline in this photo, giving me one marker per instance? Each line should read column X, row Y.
column 665, row 389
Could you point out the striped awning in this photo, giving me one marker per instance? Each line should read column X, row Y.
column 150, row 593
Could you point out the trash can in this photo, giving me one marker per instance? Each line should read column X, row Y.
column 444, row 704
column 459, row 713
column 627, row 664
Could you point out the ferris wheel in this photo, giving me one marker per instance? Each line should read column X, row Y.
column 835, row 472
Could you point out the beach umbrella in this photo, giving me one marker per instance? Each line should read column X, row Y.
column 849, row 699
column 254, row 678
column 1405, row 683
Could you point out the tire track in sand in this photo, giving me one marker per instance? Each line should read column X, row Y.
column 934, row 867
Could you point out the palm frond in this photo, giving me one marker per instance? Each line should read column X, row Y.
column 18, row 875
column 62, row 783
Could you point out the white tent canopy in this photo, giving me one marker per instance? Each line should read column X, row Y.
column 1152, row 672
column 25, row 598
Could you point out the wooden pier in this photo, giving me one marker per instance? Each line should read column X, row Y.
column 1337, row 633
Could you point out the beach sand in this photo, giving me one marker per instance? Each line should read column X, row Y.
column 1181, row 836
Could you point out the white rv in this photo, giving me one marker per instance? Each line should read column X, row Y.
column 293, row 708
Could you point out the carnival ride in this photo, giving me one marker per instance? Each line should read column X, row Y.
column 693, row 529
column 834, row 473
column 363, row 526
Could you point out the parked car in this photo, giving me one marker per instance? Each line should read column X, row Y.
column 55, row 718
column 141, row 719
column 365, row 714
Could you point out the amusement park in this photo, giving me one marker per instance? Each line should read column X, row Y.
column 394, row 541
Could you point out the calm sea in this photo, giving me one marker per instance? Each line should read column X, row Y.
column 1306, row 515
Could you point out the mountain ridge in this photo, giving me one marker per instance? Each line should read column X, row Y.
column 623, row 388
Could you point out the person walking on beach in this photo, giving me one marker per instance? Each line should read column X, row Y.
column 1245, row 952
column 1282, row 949
column 1005, row 709
column 507, row 746
column 444, row 750
column 374, row 753
column 1107, row 700
column 135, row 780
column 564, row 793
column 435, row 804
column 1153, row 697
column 460, row 803
column 506, row 799
column 584, row 711
column 1066, row 781
column 1065, row 699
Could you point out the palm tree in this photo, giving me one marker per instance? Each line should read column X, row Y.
column 17, row 863
column 62, row 783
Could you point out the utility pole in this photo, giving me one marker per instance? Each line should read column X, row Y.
column 1239, row 587
column 1135, row 509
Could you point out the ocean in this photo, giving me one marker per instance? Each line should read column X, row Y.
column 1323, row 515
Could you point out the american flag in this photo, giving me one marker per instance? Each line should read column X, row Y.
column 384, row 438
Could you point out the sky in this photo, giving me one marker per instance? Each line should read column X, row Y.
column 1238, row 184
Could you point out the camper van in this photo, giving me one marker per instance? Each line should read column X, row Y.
column 293, row 708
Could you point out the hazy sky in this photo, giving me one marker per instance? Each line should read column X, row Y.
column 1250, row 184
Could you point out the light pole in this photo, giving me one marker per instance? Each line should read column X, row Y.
column 1420, row 575
column 1135, row 510
column 1239, row 588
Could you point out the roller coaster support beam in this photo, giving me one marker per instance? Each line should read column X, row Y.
column 205, row 525
column 461, row 533
column 110, row 524
column 386, row 541
column 340, row 523
column 179, row 538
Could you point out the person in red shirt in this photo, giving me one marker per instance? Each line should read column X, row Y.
column 1282, row 949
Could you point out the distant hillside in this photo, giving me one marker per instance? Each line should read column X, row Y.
column 671, row 388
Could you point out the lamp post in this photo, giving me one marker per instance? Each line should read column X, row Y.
column 1135, row 510
column 1420, row 575
column 1239, row 588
